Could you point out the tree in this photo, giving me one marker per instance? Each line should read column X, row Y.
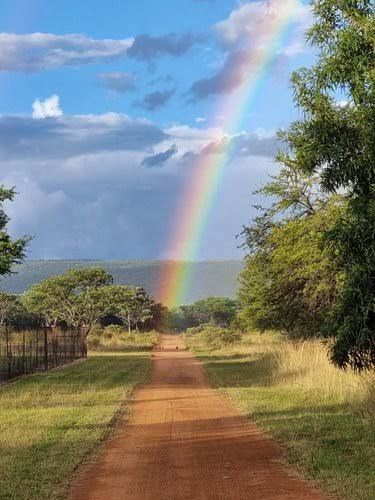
column 10, row 307
column 51, row 299
column 78, row 298
column 158, row 319
column 90, row 278
column 289, row 282
column 131, row 304
column 336, row 141
column 217, row 310
column 12, row 251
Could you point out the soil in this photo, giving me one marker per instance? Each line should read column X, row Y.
column 183, row 440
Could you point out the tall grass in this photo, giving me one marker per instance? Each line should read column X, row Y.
column 306, row 365
column 323, row 416
column 123, row 341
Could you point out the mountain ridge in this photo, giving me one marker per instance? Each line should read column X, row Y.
column 210, row 277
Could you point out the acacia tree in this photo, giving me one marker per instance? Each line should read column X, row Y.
column 10, row 307
column 12, row 251
column 77, row 298
column 131, row 304
column 336, row 140
column 51, row 300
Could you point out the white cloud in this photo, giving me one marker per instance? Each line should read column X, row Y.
column 200, row 119
column 37, row 51
column 251, row 23
column 48, row 108
column 77, row 173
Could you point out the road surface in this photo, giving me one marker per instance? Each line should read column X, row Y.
column 184, row 441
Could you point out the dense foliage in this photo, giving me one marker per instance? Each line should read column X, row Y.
column 316, row 267
column 212, row 336
column 290, row 283
column 12, row 251
column 219, row 311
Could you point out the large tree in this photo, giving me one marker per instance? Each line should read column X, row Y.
column 220, row 311
column 12, row 251
column 336, row 139
column 77, row 298
column 131, row 304
column 289, row 282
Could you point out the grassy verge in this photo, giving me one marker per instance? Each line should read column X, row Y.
column 324, row 418
column 49, row 422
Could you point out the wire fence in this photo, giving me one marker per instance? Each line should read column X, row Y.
column 32, row 350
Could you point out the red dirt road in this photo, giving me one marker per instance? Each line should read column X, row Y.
column 184, row 441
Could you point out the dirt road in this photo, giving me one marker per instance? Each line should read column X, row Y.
column 184, row 441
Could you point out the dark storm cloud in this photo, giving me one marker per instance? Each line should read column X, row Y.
column 147, row 47
column 224, row 81
column 157, row 160
column 118, row 81
column 64, row 137
column 156, row 100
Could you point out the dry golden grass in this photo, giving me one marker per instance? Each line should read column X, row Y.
column 323, row 416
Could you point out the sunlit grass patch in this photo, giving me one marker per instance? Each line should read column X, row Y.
column 49, row 422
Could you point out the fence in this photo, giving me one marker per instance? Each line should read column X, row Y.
column 29, row 351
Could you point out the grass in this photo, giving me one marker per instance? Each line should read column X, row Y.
column 324, row 418
column 50, row 422
column 134, row 341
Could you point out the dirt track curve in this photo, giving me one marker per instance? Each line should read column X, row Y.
column 184, row 441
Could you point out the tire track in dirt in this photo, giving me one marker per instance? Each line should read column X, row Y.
column 184, row 441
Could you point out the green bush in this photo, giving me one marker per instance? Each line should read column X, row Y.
column 215, row 337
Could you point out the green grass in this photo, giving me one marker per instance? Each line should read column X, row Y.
column 323, row 418
column 50, row 422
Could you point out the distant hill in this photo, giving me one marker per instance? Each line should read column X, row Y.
column 217, row 278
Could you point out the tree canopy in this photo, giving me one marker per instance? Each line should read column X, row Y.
column 316, row 263
column 81, row 297
column 12, row 251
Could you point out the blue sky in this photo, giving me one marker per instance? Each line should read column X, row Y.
column 101, row 115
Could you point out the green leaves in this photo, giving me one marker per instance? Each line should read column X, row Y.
column 81, row 297
column 12, row 251
column 311, row 259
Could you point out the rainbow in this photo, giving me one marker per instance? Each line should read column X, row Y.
column 200, row 194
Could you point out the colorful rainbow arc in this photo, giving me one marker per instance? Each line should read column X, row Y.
column 201, row 191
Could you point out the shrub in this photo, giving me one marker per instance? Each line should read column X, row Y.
column 215, row 337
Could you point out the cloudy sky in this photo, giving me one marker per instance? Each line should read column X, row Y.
column 106, row 108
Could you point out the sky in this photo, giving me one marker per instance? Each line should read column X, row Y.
column 107, row 107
